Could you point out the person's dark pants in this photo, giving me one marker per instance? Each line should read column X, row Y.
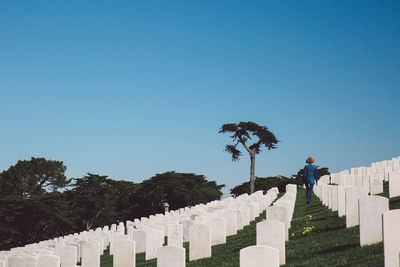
column 309, row 191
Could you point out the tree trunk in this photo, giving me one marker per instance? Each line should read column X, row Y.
column 252, row 170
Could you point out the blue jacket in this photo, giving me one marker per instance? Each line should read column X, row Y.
column 310, row 173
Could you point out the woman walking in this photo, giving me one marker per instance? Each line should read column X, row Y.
column 310, row 176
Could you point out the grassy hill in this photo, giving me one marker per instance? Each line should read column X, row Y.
column 317, row 238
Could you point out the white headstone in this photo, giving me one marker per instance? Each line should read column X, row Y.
column 218, row 230
column 334, row 197
column 154, row 240
column 245, row 211
column 175, row 235
column 124, row 253
column 231, row 222
column 341, row 200
column 91, row 254
column 171, row 256
column 239, row 221
column 371, row 209
column 352, row 196
column 67, row 254
column 77, row 246
column 375, row 184
column 286, row 204
column 279, row 214
column 139, row 237
column 115, row 238
column 391, row 237
column 272, row 233
column 259, row 256
column 200, row 242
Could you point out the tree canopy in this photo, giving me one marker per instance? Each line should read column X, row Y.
column 33, row 177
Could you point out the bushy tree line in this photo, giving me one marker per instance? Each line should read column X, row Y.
column 38, row 202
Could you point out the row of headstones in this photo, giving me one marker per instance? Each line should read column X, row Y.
column 361, row 207
column 89, row 245
column 65, row 255
column 372, row 177
column 272, row 234
column 86, row 247
column 219, row 222
column 203, row 232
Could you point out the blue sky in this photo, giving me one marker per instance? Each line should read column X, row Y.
column 134, row 88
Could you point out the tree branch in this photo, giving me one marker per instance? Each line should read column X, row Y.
column 245, row 146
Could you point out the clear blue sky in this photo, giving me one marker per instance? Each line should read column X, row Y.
column 134, row 88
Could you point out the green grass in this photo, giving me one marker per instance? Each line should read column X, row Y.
column 327, row 242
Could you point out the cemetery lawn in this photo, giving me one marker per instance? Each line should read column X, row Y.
column 318, row 237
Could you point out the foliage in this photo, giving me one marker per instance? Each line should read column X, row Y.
column 244, row 131
column 38, row 218
column 263, row 184
column 178, row 189
column 33, row 177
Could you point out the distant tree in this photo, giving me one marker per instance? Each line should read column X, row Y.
column 263, row 184
column 33, row 177
column 178, row 189
column 35, row 219
column 243, row 132
column 98, row 199
column 320, row 172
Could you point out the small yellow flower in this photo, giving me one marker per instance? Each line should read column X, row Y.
column 293, row 234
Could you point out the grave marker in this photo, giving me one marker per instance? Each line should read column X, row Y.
column 371, row 209
column 171, row 256
column 259, row 256
column 200, row 242
column 272, row 233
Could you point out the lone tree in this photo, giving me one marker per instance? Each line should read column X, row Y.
column 243, row 132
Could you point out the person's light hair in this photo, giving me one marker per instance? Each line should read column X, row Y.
column 310, row 160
